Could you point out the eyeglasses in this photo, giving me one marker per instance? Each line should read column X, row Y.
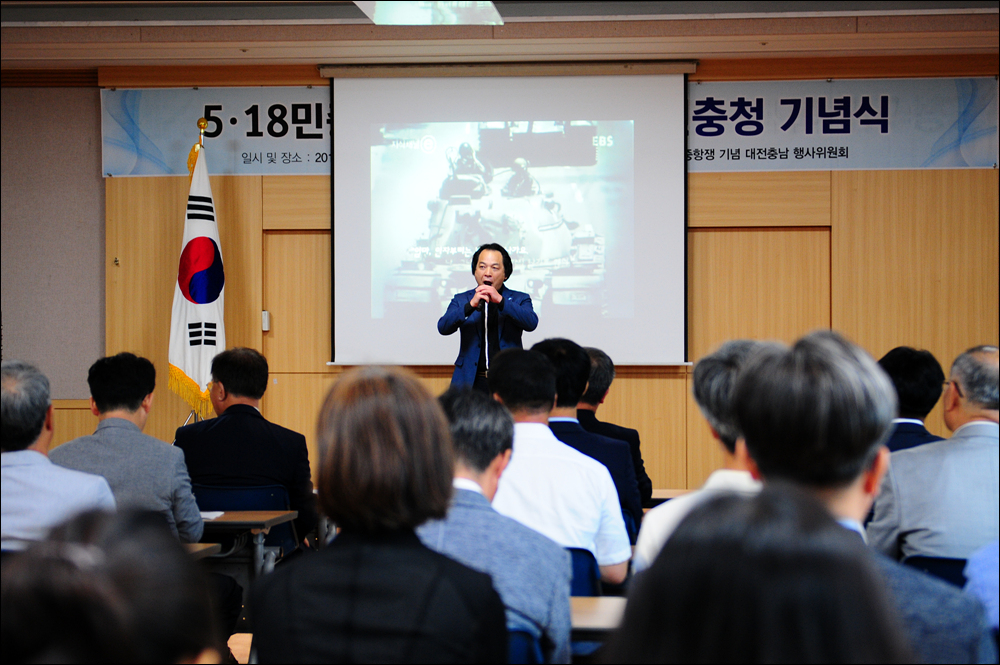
column 958, row 388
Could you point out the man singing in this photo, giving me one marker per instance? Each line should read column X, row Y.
column 506, row 314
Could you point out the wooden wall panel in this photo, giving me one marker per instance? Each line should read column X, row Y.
column 144, row 227
column 798, row 198
column 704, row 452
column 293, row 400
column 71, row 419
column 297, row 294
column 756, row 283
column 652, row 400
column 915, row 261
column 296, row 202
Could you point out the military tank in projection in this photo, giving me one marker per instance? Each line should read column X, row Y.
column 493, row 195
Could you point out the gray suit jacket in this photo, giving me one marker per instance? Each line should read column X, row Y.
column 530, row 572
column 941, row 499
column 143, row 472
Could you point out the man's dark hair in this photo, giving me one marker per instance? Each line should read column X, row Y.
column 242, row 371
column 977, row 377
column 24, row 403
column 572, row 368
column 602, row 373
column 524, row 380
column 815, row 413
column 386, row 459
column 767, row 579
column 481, row 428
column 121, row 382
column 712, row 385
column 917, row 377
column 107, row 587
column 508, row 267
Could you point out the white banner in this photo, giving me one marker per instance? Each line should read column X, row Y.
column 251, row 131
column 842, row 124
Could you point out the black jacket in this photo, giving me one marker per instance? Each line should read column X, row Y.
column 242, row 449
column 588, row 420
column 377, row 598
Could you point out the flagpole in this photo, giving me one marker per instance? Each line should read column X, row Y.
column 195, row 332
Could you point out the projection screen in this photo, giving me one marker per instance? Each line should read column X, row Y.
column 580, row 178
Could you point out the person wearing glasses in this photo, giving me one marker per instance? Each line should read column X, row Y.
column 942, row 499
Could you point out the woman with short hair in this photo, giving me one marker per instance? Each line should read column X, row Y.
column 375, row 593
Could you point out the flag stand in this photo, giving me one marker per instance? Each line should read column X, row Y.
column 193, row 414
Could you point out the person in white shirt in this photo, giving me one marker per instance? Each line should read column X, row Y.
column 548, row 486
column 36, row 494
column 713, row 381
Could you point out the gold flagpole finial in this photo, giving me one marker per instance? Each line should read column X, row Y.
column 193, row 155
column 202, row 124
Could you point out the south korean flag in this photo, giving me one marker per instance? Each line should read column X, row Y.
column 197, row 331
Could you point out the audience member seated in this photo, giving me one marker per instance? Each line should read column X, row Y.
column 144, row 473
column 713, row 381
column 764, row 579
column 548, row 486
column 241, row 448
column 982, row 573
column 530, row 572
column 107, row 588
column 816, row 415
column 602, row 374
column 375, row 593
column 917, row 378
column 943, row 499
column 572, row 373
column 36, row 494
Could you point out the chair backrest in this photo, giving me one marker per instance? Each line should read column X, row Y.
column 586, row 573
column 263, row 497
column 524, row 648
column 949, row 570
column 630, row 526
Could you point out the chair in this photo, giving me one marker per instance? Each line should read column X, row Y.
column 586, row 582
column 586, row 573
column 264, row 497
column 949, row 570
column 524, row 648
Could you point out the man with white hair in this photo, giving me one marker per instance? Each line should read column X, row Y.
column 712, row 386
column 36, row 494
column 942, row 499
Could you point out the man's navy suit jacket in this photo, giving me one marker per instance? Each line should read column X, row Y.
column 241, row 448
column 588, row 420
column 613, row 454
column 516, row 317
column 909, row 435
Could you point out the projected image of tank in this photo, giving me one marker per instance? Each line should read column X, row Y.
column 523, row 185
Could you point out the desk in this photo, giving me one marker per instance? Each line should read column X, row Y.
column 202, row 550
column 593, row 617
column 255, row 522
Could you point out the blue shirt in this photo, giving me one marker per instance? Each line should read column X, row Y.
column 530, row 572
column 37, row 495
